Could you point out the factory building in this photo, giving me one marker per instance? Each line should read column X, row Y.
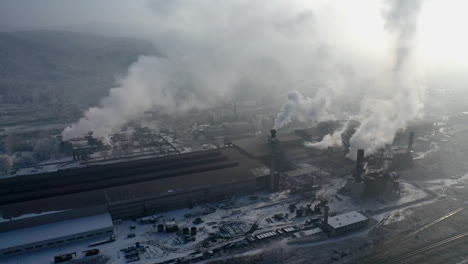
column 307, row 171
column 78, row 204
column 53, row 229
column 262, row 177
column 290, row 149
column 403, row 159
column 381, row 182
column 304, row 179
column 366, row 183
column 134, row 188
column 342, row 223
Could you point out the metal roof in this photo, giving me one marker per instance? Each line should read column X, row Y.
column 195, row 176
column 303, row 171
column 346, row 219
column 55, row 230
column 256, row 147
column 260, row 172
column 307, row 233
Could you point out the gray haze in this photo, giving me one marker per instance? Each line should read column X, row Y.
column 57, row 14
column 356, row 60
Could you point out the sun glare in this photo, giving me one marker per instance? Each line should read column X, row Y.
column 442, row 31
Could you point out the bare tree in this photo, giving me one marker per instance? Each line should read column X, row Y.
column 46, row 148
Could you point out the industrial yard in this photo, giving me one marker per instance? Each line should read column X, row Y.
column 287, row 198
column 233, row 132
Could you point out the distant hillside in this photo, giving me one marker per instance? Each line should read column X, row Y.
column 59, row 66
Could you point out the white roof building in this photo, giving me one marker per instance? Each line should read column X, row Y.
column 55, row 233
column 346, row 221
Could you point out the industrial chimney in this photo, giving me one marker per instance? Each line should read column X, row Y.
column 273, row 135
column 274, row 177
column 325, row 217
column 359, row 165
column 410, row 142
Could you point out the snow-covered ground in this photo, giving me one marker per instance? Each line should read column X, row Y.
column 230, row 219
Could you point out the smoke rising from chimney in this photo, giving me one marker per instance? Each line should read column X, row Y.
column 394, row 97
column 381, row 118
column 214, row 49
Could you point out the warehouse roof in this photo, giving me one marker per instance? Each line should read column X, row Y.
column 346, row 219
column 55, row 230
column 307, row 233
column 261, row 171
column 228, row 166
column 258, row 147
column 255, row 147
column 302, row 171
column 32, row 187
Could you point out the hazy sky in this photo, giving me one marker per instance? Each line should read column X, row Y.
column 369, row 59
column 43, row 13
column 442, row 22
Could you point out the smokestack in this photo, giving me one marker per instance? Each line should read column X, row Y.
column 360, row 156
column 274, row 180
column 410, row 142
column 325, row 217
column 359, row 165
column 274, row 177
column 273, row 134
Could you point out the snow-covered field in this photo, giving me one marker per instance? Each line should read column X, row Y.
column 230, row 219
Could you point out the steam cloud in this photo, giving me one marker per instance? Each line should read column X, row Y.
column 299, row 107
column 381, row 118
column 392, row 99
column 331, row 140
column 214, row 50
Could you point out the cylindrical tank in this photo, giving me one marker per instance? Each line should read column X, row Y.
column 186, row 230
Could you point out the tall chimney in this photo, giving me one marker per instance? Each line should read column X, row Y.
column 360, row 156
column 274, row 177
column 410, row 142
column 359, row 165
column 273, row 134
column 325, row 217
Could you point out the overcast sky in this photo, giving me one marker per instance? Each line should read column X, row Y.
column 50, row 13
column 441, row 40
column 369, row 60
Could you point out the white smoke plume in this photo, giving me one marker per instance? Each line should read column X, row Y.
column 326, row 104
column 211, row 50
column 215, row 50
column 299, row 107
column 387, row 102
column 381, row 117
column 150, row 82
column 330, row 140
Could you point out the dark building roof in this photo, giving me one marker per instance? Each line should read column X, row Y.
column 258, row 147
column 128, row 180
column 255, row 147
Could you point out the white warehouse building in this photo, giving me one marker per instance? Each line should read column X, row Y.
column 53, row 229
column 345, row 222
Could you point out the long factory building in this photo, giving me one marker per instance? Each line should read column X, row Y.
column 122, row 190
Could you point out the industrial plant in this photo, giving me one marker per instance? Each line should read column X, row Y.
column 233, row 132
column 168, row 200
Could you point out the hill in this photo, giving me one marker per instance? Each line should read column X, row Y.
column 50, row 67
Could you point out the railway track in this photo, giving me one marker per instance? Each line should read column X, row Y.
column 426, row 226
column 440, row 219
column 423, row 249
